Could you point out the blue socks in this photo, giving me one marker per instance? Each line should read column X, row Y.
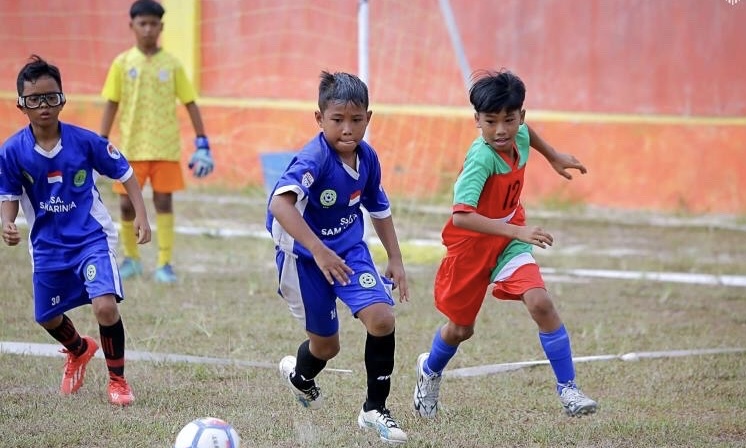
column 556, row 346
column 440, row 354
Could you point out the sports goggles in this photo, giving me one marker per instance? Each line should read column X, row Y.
column 34, row 101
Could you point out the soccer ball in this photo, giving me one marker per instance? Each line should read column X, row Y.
column 207, row 432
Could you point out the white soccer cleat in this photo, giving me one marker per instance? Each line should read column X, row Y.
column 576, row 403
column 426, row 391
column 381, row 420
column 310, row 398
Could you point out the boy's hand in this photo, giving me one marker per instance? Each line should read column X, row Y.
column 565, row 161
column 11, row 237
column 395, row 272
column 201, row 162
column 536, row 236
column 142, row 230
column 332, row 266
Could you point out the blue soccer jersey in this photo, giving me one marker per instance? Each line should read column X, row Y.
column 58, row 195
column 330, row 194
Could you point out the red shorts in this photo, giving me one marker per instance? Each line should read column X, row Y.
column 165, row 176
column 464, row 274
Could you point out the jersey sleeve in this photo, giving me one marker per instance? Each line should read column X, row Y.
column 468, row 187
column 299, row 176
column 374, row 198
column 112, row 90
column 522, row 140
column 184, row 88
column 108, row 160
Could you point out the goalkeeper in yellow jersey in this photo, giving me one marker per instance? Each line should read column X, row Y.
column 144, row 83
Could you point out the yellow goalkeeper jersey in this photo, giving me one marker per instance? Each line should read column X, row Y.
column 146, row 88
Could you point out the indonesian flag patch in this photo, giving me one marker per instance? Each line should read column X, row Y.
column 354, row 198
column 54, row 176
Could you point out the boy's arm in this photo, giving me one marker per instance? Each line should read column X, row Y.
column 107, row 119
column 395, row 269
column 8, row 215
column 141, row 224
column 283, row 209
column 479, row 223
column 201, row 162
column 559, row 161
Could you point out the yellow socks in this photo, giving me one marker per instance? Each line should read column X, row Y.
column 165, row 230
column 129, row 239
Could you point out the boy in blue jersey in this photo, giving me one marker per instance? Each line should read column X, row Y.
column 50, row 168
column 315, row 219
column 488, row 243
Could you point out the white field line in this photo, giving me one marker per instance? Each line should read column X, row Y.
column 492, row 369
column 51, row 350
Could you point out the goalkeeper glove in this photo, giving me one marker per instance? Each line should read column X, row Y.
column 201, row 162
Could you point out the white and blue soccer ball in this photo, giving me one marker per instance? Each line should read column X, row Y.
column 207, row 432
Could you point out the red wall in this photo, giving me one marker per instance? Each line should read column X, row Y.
column 637, row 58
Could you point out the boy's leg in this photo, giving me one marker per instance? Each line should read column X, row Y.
column 79, row 351
column 430, row 368
column 131, row 265
column 67, row 292
column 312, row 302
column 379, row 364
column 301, row 371
column 166, row 178
column 99, row 271
column 459, row 289
column 556, row 344
column 164, row 272
column 111, row 329
column 380, row 346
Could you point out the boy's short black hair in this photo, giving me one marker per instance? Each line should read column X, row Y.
column 146, row 8
column 493, row 92
column 35, row 69
column 342, row 87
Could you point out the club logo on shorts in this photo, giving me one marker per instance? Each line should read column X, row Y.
column 79, row 178
column 367, row 280
column 113, row 151
column 328, row 198
column 90, row 272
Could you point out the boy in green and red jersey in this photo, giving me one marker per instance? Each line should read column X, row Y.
column 487, row 242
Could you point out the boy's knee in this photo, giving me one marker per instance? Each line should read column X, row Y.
column 378, row 319
column 106, row 310
column 456, row 334
column 52, row 323
column 325, row 350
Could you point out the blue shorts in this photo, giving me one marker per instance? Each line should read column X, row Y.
column 313, row 301
column 58, row 291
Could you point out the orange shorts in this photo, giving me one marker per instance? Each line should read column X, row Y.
column 465, row 272
column 164, row 176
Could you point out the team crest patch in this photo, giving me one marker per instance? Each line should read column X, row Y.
column 328, row 198
column 164, row 75
column 113, row 151
column 367, row 280
column 79, row 178
column 132, row 73
column 307, row 179
column 90, row 272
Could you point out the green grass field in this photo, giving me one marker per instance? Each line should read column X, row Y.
column 225, row 306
